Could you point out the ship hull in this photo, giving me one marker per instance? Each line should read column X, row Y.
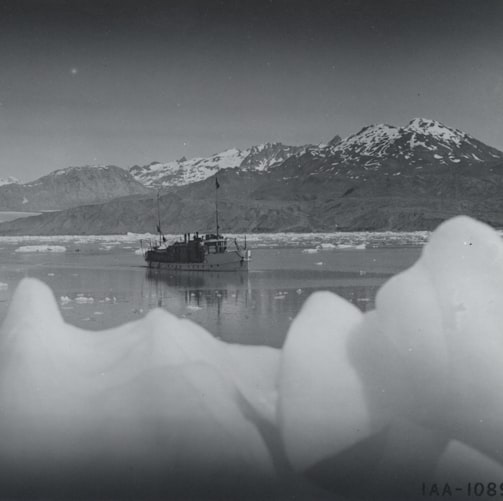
column 229, row 261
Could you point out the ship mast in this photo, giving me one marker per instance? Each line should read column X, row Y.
column 217, row 185
column 159, row 217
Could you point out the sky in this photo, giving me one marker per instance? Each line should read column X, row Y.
column 123, row 82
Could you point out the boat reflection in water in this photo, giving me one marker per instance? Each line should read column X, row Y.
column 248, row 308
column 204, row 297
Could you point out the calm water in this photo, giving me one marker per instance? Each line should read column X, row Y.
column 99, row 286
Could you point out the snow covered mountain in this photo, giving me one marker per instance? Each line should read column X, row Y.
column 70, row 187
column 382, row 178
column 180, row 172
column 422, row 143
column 422, row 140
column 8, row 180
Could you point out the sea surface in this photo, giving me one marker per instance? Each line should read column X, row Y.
column 102, row 281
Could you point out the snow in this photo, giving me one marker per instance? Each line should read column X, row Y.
column 409, row 392
column 41, row 248
column 436, row 129
column 181, row 172
column 8, row 180
column 371, row 139
column 375, row 141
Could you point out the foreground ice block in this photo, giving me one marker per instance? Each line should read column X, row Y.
column 147, row 407
column 321, row 407
column 390, row 391
column 441, row 325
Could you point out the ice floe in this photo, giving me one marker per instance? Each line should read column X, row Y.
column 41, row 248
column 324, row 241
column 81, row 299
column 405, row 394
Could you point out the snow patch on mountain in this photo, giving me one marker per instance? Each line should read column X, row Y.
column 9, row 180
column 180, row 172
column 422, row 140
column 436, row 129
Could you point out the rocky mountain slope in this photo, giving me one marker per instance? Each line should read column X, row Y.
column 69, row 187
column 180, row 172
column 382, row 178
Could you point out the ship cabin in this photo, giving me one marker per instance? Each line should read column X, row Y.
column 215, row 244
column 194, row 247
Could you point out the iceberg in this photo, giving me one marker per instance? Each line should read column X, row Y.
column 160, row 397
column 404, row 396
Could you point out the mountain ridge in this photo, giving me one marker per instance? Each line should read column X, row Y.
column 381, row 178
column 180, row 172
column 69, row 187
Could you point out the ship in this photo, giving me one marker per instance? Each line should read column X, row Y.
column 198, row 252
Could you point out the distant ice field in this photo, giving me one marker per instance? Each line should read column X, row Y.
column 257, row 240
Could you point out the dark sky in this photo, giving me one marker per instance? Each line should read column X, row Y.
column 125, row 82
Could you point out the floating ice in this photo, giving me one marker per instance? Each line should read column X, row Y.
column 257, row 240
column 41, row 248
column 327, row 246
column 81, row 299
column 309, row 251
column 361, row 246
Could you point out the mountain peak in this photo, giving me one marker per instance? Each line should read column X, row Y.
column 423, row 123
column 335, row 140
column 434, row 128
column 421, row 142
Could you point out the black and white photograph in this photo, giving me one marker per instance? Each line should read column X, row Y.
column 251, row 249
